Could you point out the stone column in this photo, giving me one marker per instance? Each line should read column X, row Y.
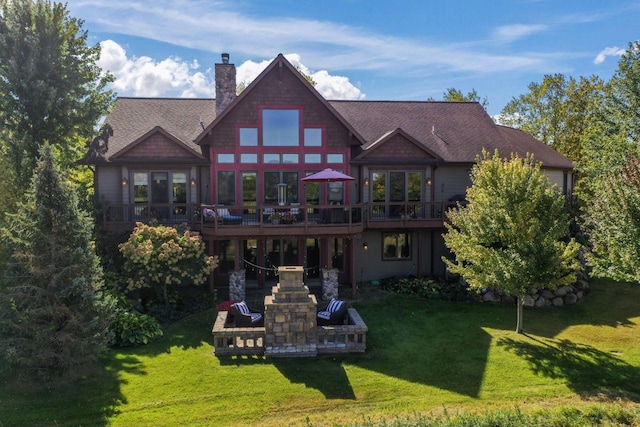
column 329, row 283
column 237, row 285
column 290, row 317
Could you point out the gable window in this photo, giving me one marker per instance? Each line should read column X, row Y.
column 248, row 137
column 396, row 246
column 248, row 158
column 335, row 158
column 280, row 128
column 226, row 158
column 313, row 137
column 313, row 158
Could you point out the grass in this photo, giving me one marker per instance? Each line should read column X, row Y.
column 424, row 358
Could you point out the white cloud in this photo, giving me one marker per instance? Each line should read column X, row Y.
column 147, row 77
column 223, row 26
column 144, row 76
column 608, row 51
column 510, row 33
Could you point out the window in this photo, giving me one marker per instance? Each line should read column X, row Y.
column 271, row 158
column 227, row 188
column 280, row 128
column 154, row 191
column 312, row 158
column 313, row 137
column 226, row 158
column 397, row 193
column 271, row 181
column 249, row 193
column 226, row 256
column 248, row 137
column 284, row 158
column 335, row 158
column 140, row 187
column 396, row 246
column 290, row 158
column 248, row 158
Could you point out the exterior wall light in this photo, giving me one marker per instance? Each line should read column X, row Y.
column 365, row 246
column 125, row 181
column 193, row 182
column 366, row 182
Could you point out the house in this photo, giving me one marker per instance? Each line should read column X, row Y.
column 232, row 168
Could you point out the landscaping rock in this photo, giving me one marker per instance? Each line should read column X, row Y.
column 546, row 293
column 491, row 296
column 528, row 301
column 557, row 302
column 570, row 299
column 563, row 290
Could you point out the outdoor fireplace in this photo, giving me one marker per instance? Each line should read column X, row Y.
column 290, row 316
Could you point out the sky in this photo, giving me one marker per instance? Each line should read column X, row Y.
column 408, row 50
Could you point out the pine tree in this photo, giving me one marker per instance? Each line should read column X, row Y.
column 53, row 317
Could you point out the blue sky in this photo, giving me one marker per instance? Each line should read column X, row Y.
column 360, row 49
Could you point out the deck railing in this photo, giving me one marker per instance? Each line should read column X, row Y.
column 407, row 213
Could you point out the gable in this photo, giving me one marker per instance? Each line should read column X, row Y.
column 279, row 86
column 156, row 145
column 396, row 146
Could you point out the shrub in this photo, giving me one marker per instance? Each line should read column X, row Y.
column 131, row 330
column 428, row 288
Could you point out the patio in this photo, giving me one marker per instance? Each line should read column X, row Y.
column 290, row 328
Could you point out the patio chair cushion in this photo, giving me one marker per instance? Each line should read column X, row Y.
column 333, row 313
column 244, row 316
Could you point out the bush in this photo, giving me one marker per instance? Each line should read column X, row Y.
column 131, row 330
column 428, row 288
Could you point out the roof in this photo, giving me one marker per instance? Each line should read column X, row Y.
column 452, row 132
column 455, row 131
column 132, row 118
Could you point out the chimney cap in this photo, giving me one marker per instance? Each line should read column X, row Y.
column 225, row 58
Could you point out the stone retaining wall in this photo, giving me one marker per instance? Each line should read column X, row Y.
column 563, row 295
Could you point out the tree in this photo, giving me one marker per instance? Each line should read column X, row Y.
column 613, row 134
column 455, row 95
column 53, row 317
column 556, row 111
column 513, row 233
column 51, row 90
column 613, row 223
column 157, row 256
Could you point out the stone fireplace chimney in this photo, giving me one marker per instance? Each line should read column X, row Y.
column 225, row 84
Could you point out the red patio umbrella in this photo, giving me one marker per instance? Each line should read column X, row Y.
column 327, row 175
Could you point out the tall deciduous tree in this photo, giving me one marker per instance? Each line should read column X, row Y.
column 456, row 95
column 51, row 90
column 556, row 111
column 613, row 223
column 613, row 134
column 53, row 318
column 513, row 233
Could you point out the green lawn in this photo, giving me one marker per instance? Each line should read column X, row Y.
column 423, row 356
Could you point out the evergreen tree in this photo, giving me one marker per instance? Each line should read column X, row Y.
column 53, row 318
column 513, row 233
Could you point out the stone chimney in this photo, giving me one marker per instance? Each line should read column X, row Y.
column 225, row 84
